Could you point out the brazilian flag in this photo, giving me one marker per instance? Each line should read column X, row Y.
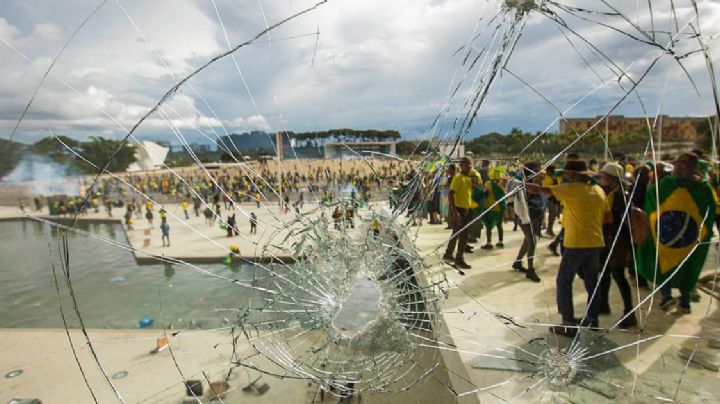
column 478, row 195
column 677, row 226
column 493, row 193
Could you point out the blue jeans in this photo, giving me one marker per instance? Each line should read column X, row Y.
column 586, row 263
column 666, row 292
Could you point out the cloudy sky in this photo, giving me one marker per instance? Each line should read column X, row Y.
column 375, row 64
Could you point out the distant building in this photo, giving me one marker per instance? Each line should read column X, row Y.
column 329, row 144
column 449, row 148
column 339, row 143
column 669, row 130
column 198, row 148
column 358, row 150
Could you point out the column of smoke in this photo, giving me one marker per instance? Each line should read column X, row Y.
column 42, row 176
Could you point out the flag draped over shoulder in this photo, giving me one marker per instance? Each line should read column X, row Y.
column 683, row 219
column 495, row 211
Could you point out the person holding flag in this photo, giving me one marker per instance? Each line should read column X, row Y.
column 681, row 214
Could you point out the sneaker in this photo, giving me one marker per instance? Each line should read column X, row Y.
column 586, row 322
column 469, row 249
column 629, row 321
column 564, row 331
column 518, row 267
column 683, row 310
column 668, row 304
column 500, row 244
column 532, row 276
column 553, row 249
column 462, row 264
column 487, row 247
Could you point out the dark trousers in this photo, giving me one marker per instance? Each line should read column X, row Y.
column 488, row 232
column 460, row 237
column 618, row 274
column 531, row 231
column 685, row 295
column 559, row 240
column 553, row 213
column 586, row 263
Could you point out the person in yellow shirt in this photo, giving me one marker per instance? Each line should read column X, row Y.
column 460, row 204
column 376, row 228
column 185, row 206
column 585, row 211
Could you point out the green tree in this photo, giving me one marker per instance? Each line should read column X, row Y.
column 12, row 153
column 703, row 129
column 405, row 147
column 54, row 149
column 100, row 150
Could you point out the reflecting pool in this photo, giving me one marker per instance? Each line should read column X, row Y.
column 112, row 291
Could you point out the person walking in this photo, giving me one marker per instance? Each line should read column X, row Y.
column 493, row 208
column 185, row 206
column 253, row 223
column 231, row 225
column 165, row 228
column 529, row 209
column 617, row 242
column 460, row 202
column 196, row 205
column 375, row 228
column 585, row 211
column 149, row 216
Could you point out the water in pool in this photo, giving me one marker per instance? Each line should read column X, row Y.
column 112, row 291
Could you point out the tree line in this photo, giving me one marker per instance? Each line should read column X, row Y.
column 96, row 150
column 518, row 143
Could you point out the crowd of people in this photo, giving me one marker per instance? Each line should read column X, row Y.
column 649, row 220
column 212, row 193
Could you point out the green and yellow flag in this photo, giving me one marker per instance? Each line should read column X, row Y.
column 684, row 219
column 492, row 194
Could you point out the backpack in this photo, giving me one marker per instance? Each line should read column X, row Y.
column 639, row 225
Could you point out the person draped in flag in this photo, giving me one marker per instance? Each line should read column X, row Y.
column 493, row 207
column 681, row 214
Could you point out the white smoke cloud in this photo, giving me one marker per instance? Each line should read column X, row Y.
column 42, row 176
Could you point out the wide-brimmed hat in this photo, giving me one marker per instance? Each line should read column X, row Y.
column 690, row 158
column 579, row 166
column 613, row 170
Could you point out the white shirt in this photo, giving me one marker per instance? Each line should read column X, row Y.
column 520, row 205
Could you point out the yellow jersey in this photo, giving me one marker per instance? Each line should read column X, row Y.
column 462, row 186
column 583, row 215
